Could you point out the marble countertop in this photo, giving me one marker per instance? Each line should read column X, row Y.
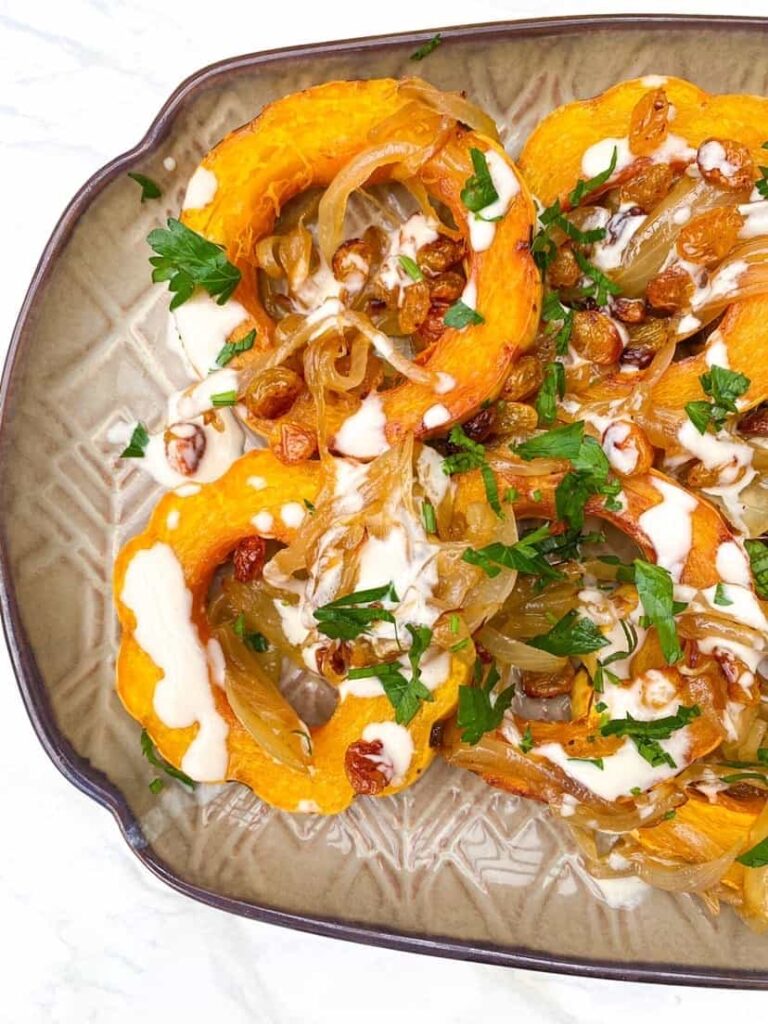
column 89, row 935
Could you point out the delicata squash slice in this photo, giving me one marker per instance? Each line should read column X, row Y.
column 653, row 243
column 315, row 310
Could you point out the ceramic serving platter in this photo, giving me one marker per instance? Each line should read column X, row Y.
column 450, row 867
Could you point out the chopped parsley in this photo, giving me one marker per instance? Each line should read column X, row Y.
column 411, row 267
column 428, row 517
column 149, row 189
column 599, row 287
column 656, row 592
column 346, row 617
column 223, row 399
column 138, row 442
column 549, row 392
column 758, row 561
column 526, row 741
column 479, row 190
column 762, row 182
column 721, row 598
column 185, row 260
column 309, row 506
column 596, row 761
column 646, row 734
column 426, row 48
column 478, row 712
column 460, row 315
column 256, row 642
column 553, row 312
column 757, row 856
column 525, row 555
column 723, row 387
column 559, row 443
column 235, row 348
column 573, row 634
column 148, row 750
column 472, row 456
column 405, row 695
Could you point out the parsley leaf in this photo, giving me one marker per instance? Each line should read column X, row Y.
column 524, row 555
column 600, row 286
column 405, row 695
column 526, row 741
column 757, row 856
column 472, row 456
column 590, row 475
column 656, row 592
column 411, row 267
column 426, row 48
column 570, row 635
column 646, row 734
column 758, row 561
column 428, row 517
column 223, row 399
column 254, row 641
column 553, row 312
column 186, row 259
column 137, row 444
column 724, row 387
column 234, row 348
column 479, row 190
column 478, row 713
column 559, row 443
column 549, row 392
column 721, row 598
column 148, row 750
column 460, row 315
column 149, row 188
column 584, row 188
column 700, row 414
column 344, row 619
column 596, row 761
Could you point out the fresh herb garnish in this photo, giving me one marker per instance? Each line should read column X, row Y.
column 137, row 444
column 309, row 506
column 721, row 598
column 656, row 592
column 757, row 856
column 185, row 259
column 405, row 695
column 762, row 183
column 426, row 48
column 478, row 713
column 599, row 286
column 148, row 750
column 596, row 761
column 743, row 776
column 460, row 315
column 454, row 622
column 526, row 741
column 479, row 190
column 559, row 443
column 411, row 267
column 758, row 561
column 472, row 456
column 149, row 189
column 234, row 348
column 585, row 187
column 549, row 392
column 254, row 641
column 525, row 555
column 646, row 734
column 570, row 635
column 511, row 494
column 428, row 517
column 553, row 312
column 345, row 619
column 724, row 387
column 223, row 399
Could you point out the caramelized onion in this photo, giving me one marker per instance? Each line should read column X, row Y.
column 518, row 654
column 451, row 104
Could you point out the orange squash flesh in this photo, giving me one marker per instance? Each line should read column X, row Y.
column 303, row 141
column 570, row 130
column 210, row 524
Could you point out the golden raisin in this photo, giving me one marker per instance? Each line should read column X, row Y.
column 647, row 187
column 446, row 287
column 523, row 380
column 726, row 163
column 352, row 260
column 248, row 559
column 595, row 337
column 294, row 443
column 548, row 684
column 366, row 769
column 629, row 311
column 648, row 124
column 671, row 290
column 698, row 475
column 440, row 255
column 755, row 422
column 708, row 238
column 332, row 661
column 184, row 447
column 432, row 327
column 272, row 393
column 515, row 418
column 415, row 307
column 564, row 271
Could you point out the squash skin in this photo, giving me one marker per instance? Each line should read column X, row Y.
column 290, row 147
column 571, row 129
column 709, row 530
column 211, row 523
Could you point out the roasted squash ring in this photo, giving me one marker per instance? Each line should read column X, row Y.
column 571, row 129
column 202, row 530
column 303, row 141
column 536, row 498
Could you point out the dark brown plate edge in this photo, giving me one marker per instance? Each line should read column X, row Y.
column 80, row 772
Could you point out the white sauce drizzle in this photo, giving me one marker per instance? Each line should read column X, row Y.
column 755, row 219
column 201, row 189
column 435, row 417
column 362, row 435
column 263, row 521
column 204, row 328
column 292, row 514
column 482, row 226
column 397, row 748
column 406, row 241
column 668, row 526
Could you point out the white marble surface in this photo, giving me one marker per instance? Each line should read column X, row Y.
column 88, row 935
